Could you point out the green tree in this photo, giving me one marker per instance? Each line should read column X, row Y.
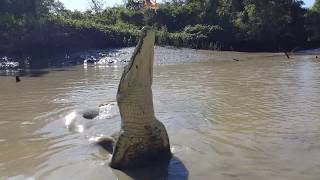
column 97, row 5
column 272, row 21
column 313, row 21
column 22, row 20
column 269, row 24
column 316, row 6
column 133, row 4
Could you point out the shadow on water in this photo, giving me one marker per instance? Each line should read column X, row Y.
column 174, row 170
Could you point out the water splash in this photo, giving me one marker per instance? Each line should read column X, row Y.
column 8, row 63
column 77, row 121
column 108, row 111
column 72, row 124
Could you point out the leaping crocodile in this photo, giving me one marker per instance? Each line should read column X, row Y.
column 142, row 139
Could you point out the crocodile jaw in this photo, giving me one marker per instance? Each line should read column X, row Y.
column 139, row 72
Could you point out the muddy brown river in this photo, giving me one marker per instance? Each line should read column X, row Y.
column 256, row 118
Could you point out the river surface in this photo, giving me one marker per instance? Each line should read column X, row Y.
column 256, row 118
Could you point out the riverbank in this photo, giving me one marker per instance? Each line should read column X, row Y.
column 118, row 57
column 59, row 39
column 65, row 37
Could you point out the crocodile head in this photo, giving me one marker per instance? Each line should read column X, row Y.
column 139, row 72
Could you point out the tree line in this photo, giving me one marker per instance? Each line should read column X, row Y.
column 45, row 26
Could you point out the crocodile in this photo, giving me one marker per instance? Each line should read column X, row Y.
column 142, row 140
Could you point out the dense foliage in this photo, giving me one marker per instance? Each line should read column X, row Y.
column 42, row 26
column 316, row 6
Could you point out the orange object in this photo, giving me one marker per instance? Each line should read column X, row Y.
column 151, row 4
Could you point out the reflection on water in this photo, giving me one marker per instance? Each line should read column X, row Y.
column 257, row 118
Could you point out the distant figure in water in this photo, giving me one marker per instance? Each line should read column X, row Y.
column 151, row 4
column 316, row 57
column 18, row 79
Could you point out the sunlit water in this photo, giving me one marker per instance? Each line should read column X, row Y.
column 257, row 118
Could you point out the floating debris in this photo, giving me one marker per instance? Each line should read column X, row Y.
column 18, row 79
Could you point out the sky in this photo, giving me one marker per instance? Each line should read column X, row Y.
column 82, row 5
column 308, row 3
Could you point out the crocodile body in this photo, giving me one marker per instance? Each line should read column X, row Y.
column 142, row 139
